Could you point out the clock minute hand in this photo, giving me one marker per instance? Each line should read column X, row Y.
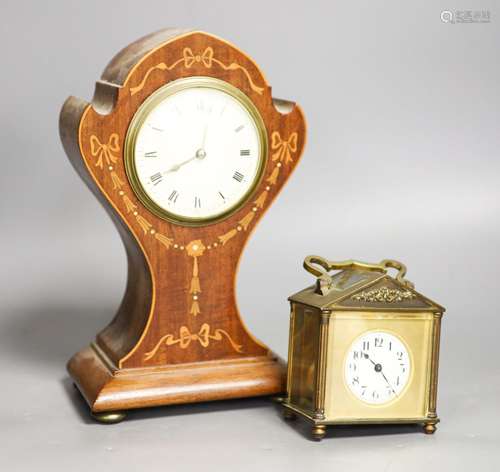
column 204, row 139
column 388, row 383
column 378, row 368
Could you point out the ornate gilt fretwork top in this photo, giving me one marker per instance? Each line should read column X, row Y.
column 384, row 295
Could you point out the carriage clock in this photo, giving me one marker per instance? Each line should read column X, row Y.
column 186, row 148
column 363, row 348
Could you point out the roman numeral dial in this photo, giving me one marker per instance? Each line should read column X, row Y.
column 156, row 178
column 238, row 176
column 173, row 196
column 199, row 151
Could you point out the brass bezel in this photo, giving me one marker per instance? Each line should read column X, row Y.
column 146, row 108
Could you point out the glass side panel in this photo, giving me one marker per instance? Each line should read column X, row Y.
column 305, row 337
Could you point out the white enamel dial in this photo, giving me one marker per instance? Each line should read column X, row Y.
column 377, row 367
column 198, row 152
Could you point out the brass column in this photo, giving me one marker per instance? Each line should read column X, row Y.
column 436, row 334
column 290, row 353
column 319, row 413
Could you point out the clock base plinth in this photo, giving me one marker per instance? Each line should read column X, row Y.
column 108, row 389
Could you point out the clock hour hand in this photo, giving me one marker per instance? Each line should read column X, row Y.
column 176, row 167
column 366, row 356
column 200, row 154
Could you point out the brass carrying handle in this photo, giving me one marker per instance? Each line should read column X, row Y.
column 310, row 263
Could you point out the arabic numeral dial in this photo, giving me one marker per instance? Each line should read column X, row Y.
column 377, row 367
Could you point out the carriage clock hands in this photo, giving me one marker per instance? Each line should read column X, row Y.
column 378, row 368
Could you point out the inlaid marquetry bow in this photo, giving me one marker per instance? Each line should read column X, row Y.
column 205, row 57
column 104, row 151
column 185, row 336
column 203, row 336
column 188, row 59
column 283, row 148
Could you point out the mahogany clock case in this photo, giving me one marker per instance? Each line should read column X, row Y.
column 177, row 336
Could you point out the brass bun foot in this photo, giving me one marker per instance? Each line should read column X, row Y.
column 289, row 415
column 318, row 432
column 429, row 428
column 109, row 417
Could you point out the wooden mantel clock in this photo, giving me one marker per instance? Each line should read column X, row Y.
column 185, row 147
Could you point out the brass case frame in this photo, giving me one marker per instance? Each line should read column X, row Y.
column 316, row 413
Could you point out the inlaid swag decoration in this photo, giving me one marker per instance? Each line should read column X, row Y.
column 188, row 59
column 203, row 336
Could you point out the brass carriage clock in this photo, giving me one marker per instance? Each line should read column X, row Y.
column 363, row 348
column 186, row 148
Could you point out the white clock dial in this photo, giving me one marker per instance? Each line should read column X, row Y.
column 377, row 367
column 198, row 151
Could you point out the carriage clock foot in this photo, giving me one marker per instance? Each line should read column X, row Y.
column 318, row 432
column 430, row 428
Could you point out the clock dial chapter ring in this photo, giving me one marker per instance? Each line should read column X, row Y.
column 227, row 164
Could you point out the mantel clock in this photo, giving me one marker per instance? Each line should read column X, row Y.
column 364, row 348
column 186, row 148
